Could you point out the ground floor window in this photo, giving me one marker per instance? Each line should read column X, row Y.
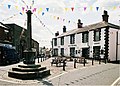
column 55, row 52
column 62, row 51
column 72, row 52
column 96, row 52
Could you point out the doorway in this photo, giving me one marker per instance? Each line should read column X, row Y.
column 85, row 52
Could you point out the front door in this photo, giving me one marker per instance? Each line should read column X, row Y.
column 72, row 52
column 85, row 52
column 96, row 52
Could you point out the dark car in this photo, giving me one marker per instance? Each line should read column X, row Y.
column 8, row 55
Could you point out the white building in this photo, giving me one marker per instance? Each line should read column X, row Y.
column 99, row 40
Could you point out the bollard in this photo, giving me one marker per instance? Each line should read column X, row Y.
column 84, row 62
column 75, row 61
column 64, row 65
column 99, row 60
column 105, row 60
column 38, row 59
column 92, row 61
column 41, row 58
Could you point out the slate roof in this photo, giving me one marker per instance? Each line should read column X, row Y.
column 89, row 28
column 3, row 26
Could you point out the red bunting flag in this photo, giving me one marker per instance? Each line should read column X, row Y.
column 34, row 10
column 72, row 8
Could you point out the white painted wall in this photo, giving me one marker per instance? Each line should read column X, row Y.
column 79, row 45
column 66, row 42
column 118, row 56
column 90, row 43
column 112, row 44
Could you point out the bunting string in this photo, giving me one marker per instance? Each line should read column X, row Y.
column 44, row 24
column 10, row 17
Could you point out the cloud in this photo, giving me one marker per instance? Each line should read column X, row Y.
column 55, row 6
column 105, row 3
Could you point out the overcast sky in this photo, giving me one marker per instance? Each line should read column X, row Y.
column 46, row 22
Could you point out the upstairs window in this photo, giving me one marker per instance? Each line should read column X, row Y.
column 97, row 35
column 55, row 41
column 84, row 37
column 72, row 39
column 62, row 40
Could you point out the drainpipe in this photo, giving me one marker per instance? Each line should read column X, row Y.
column 116, row 46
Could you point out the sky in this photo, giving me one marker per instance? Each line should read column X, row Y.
column 49, row 16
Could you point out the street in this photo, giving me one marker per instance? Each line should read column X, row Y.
column 104, row 74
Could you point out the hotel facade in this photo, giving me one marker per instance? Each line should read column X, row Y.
column 99, row 40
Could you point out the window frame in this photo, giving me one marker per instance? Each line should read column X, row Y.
column 85, row 36
column 62, row 40
column 72, row 39
column 55, row 41
column 97, row 35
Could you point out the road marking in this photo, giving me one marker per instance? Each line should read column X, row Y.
column 65, row 73
column 8, row 81
column 113, row 84
column 57, row 76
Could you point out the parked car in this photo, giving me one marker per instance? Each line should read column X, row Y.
column 8, row 55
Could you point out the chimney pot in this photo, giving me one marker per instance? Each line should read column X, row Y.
column 105, row 16
column 57, row 33
column 64, row 29
column 79, row 23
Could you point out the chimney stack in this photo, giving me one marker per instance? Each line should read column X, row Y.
column 57, row 33
column 79, row 23
column 105, row 16
column 64, row 29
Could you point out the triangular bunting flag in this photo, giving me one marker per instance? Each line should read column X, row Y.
column 40, row 10
column 47, row 9
column 43, row 13
column 114, row 7
column 20, row 13
column 34, row 10
column 97, row 8
column 54, row 17
column 85, row 8
column 66, row 9
column 9, row 6
column 72, row 8
column 91, row 8
column 23, row 8
column 58, row 18
column 16, row 7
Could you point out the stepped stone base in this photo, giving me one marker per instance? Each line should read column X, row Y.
column 30, row 71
